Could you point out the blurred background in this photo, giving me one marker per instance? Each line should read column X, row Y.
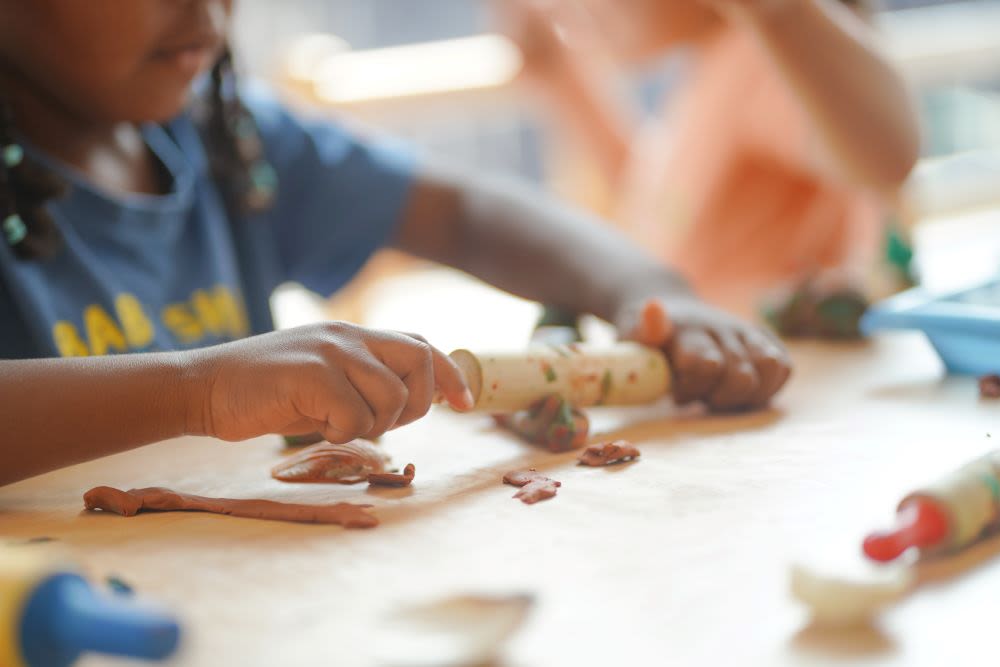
column 357, row 59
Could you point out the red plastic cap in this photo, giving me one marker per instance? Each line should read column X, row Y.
column 920, row 523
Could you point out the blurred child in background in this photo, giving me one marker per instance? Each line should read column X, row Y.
column 774, row 167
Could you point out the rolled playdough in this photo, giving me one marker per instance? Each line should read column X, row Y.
column 585, row 375
column 130, row 503
column 394, row 479
column 552, row 423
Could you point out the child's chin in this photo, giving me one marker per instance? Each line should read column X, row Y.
column 161, row 109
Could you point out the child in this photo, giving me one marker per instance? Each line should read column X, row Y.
column 775, row 162
column 141, row 239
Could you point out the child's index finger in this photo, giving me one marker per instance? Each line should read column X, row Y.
column 450, row 382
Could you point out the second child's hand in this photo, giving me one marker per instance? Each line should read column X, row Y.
column 714, row 357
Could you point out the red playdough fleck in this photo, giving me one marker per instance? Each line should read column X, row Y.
column 327, row 463
column 393, row 479
column 608, row 452
column 130, row 503
column 534, row 485
column 989, row 386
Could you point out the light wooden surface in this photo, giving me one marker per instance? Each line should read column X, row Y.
column 680, row 558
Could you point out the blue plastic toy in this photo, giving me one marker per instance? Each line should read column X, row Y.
column 964, row 326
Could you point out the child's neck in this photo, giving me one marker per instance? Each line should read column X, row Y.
column 112, row 155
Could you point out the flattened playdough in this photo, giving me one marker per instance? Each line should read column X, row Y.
column 130, row 503
column 326, row 463
column 534, row 485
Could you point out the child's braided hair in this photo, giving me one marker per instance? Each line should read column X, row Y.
column 232, row 143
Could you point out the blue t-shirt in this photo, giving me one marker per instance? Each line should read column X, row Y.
column 140, row 273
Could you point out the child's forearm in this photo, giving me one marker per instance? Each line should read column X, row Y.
column 56, row 412
column 859, row 100
column 518, row 240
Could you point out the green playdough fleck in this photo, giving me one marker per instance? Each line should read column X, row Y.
column 118, row 585
column 550, row 375
column 565, row 414
column 605, row 387
column 993, row 484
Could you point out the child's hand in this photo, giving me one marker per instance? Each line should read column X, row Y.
column 337, row 379
column 714, row 357
column 530, row 24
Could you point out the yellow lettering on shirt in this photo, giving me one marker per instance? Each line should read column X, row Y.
column 102, row 332
column 138, row 328
column 182, row 323
column 68, row 340
column 208, row 312
column 220, row 312
column 232, row 312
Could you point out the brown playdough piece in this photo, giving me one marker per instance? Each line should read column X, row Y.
column 608, row 452
column 348, row 463
column 393, row 479
column 534, row 485
column 551, row 422
column 989, row 386
column 156, row 499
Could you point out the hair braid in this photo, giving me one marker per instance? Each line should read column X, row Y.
column 25, row 189
column 232, row 141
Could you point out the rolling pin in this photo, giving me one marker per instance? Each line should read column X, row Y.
column 945, row 516
column 584, row 374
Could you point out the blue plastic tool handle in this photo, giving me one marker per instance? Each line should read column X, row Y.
column 65, row 617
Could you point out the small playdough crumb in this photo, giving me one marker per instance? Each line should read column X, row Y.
column 326, row 463
column 989, row 386
column 534, row 485
column 393, row 479
column 130, row 503
column 608, row 452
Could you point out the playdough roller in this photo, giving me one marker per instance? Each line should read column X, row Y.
column 50, row 616
column 946, row 516
column 585, row 375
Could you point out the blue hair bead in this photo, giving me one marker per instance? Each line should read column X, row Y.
column 246, row 127
column 264, row 177
column 14, row 228
column 12, row 155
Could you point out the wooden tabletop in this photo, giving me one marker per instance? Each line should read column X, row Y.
column 682, row 555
